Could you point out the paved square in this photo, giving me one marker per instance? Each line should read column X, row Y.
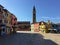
column 26, row 39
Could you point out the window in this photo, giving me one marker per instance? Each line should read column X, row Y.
column 14, row 24
column 10, row 16
column 0, row 9
column 6, row 21
column 6, row 14
column 15, row 19
column 0, row 21
column 3, row 29
column 9, row 22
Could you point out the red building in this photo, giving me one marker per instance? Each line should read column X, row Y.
column 23, row 26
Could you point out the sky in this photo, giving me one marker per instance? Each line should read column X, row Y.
column 45, row 9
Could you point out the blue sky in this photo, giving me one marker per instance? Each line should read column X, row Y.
column 45, row 9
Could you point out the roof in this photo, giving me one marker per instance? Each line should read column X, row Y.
column 1, row 6
column 5, row 10
column 23, row 22
column 35, row 23
column 43, row 22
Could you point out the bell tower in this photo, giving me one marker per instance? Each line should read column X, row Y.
column 34, row 14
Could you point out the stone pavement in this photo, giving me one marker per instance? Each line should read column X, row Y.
column 25, row 39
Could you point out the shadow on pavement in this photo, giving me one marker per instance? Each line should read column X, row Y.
column 25, row 39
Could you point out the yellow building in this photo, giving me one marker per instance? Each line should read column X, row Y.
column 43, row 27
column 8, row 18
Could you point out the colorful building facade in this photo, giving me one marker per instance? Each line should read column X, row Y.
column 7, row 20
column 2, row 21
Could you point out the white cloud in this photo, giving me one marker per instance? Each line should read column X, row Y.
column 52, row 18
column 45, row 17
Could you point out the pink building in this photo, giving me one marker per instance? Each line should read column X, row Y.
column 14, row 22
column 36, row 27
